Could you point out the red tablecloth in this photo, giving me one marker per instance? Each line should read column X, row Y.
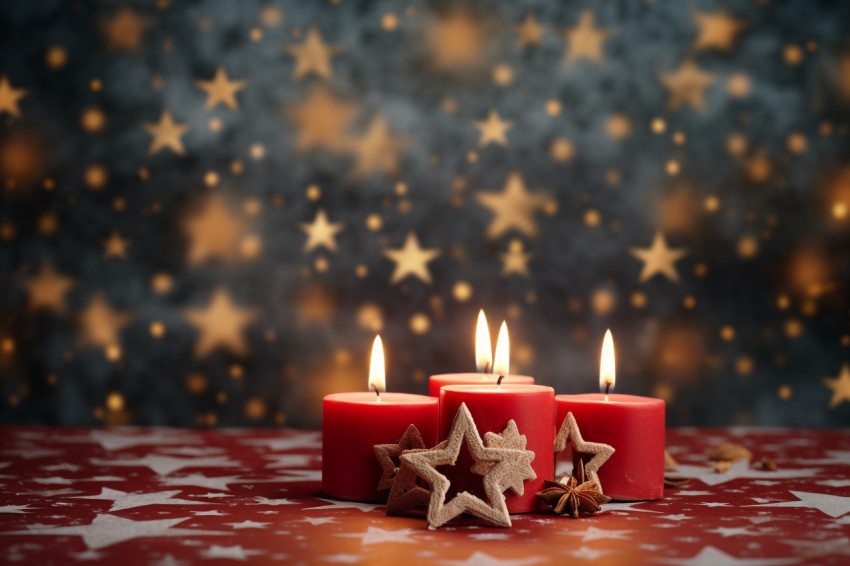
column 170, row 496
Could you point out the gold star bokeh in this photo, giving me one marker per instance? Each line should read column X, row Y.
column 514, row 208
column 221, row 325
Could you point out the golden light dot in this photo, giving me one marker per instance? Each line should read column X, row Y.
column 783, row 302
column 370, row 317
column 738, row 85
column 748, row 246
column 49, row 184
column 503, row 75
column 119, row 204
column 342, row 356
column 280, row 418
column 550, row 207
column 797, row 143
column 845, row 340
column 462, row 291
column 236, row 371
column 361, row 271
column 255, row 408
column 7, row 231
column 196, row 383
column 161, row 283
column 592, row 217
column 214, row 124
column 115, row 401
column 157, row 83
column 210, row 419
column 562, row 150
column 144, row 173
column 449, row 105
column 48, row 223
column 825, row 129
column 638, row 299
column 405, row 206
column 95, row 177
column 251, row 246
column 278, row 201
column 672, row 167
column 472, row 156
column 252, row 206
column 613, row 177
column 211, row 178
column 271, row 16
column 700, row 270
column 785, row 392
column 679, row 138
column 313, row 192
column 56, row 56
column 157, row 329
column 793, row 55
column 839, row 211
column 618, row 126
column 7, row 345
column 321, row 264
column 727, row 333
column 603, row 301
column 400, row 189
column 374, row 222
column 758, row 168
column 744, row 365
column 736, row 144
column 257, row 151
column 689, row 302
column 95, row 85
column 809, row 308
column 420, row 323
column 389, row 21
column 93, row 120
column 98, row 413
column 711, row 203
column 236, row 167
column 113, row 353
column 793, row 328
column 256, row 34
column 658, row 126
column 221, row 397
column 553, row 107
column 52, row 379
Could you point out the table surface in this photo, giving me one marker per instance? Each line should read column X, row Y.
column 179, row 496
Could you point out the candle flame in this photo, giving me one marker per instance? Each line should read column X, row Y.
column 607, row 365
column 501, row 361
column 377, row 378
column 483, row 352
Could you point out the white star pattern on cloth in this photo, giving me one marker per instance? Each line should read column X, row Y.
column 626, row 507
column 835, row 483
column 835, row 457
column 490, row 536
column 164, row 465
column 301, row 476
column 587, row 553
column 106, row 530
column 297, row 440
column 68, row 481
column 87, row 555
column 14, row 508
column 233, row 552
column 592, row 533
column 733, row 531
column 375, row 535
column 200, row 480
column 119, row 441
column 266, row 501
column 289, row 460
column 30, row 453
column 211, row 513
column 710, row 556
column 481, row 559
column 317, row 520
column 832, row 505
column 336, row 504
column 168, row 560
column 124, row 500
column 341, row 558
column 739, row 469
column 822, row 547
column 247, row 524
column 65, row 466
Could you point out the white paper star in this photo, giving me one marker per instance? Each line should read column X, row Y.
column 710, row 556
column 164, row 465
column 376, row 535
column 14, row 508
column 317, row 520
column 106, row 530
column 296, row 440
column 832, row 505
column 266, row 501
column 481, row 559
column 592, row 533
column 738, row 470
column 211, row 513
column 336, row 504
column 233, row 552
column 248, row 524
column 124, row 500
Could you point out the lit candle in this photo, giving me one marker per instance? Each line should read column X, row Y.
column 633, row 425
column 353, row 423
column 492, row 405
column 487, row 371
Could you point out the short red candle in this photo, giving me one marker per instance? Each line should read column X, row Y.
column 634, row 426
column 437, row 382
column 532, row 407
column 353, row 423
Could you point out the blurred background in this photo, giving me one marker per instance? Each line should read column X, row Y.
column 209, row 209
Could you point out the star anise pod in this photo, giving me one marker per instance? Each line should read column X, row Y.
column 569, row 497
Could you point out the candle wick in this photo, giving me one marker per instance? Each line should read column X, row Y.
column 607, row 390
column 499, row 382
column 486, row 367
column 377, row 392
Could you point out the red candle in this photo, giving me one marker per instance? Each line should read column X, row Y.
column 483, row 361
column 353, row 423
column 633, row 425
column 492, row 406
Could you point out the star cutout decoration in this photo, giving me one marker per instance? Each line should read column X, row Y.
column 9, row 97
column 125, row 30
column 592, row 533
column 166, row 134
column 570, row 433
column 388, row 455
column 507, row 463
column 294, row 441
column 221, row 324
column 214, row 232
column 164, row 465
column 687, row 86
column 247, row 524
column 585, row 41
column 221, row 90
column 99, row 324
column 740, row 469
column 313, row 56
column 232, row 552
column 376, row 151
column 513, row 208
column 110, row 441
column 515, row 260
column 658, row 259
column 321, row 232
column 530, row 32
column 710, row 556
column 717, row 30
column 493, row 129
column 115, row 246
column 832, row 505
column 47, row 290
column 375, row 535
column 106, row 530
column 840, row 387
column 123, row 500
column 260, row 500
column 15, row 509
column 207, row 482
column 322, row 121
column 411, row 259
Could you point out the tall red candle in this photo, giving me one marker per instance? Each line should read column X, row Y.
column 633, row 425
column 437, row 382
column 353, row 423
column 532, row 407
